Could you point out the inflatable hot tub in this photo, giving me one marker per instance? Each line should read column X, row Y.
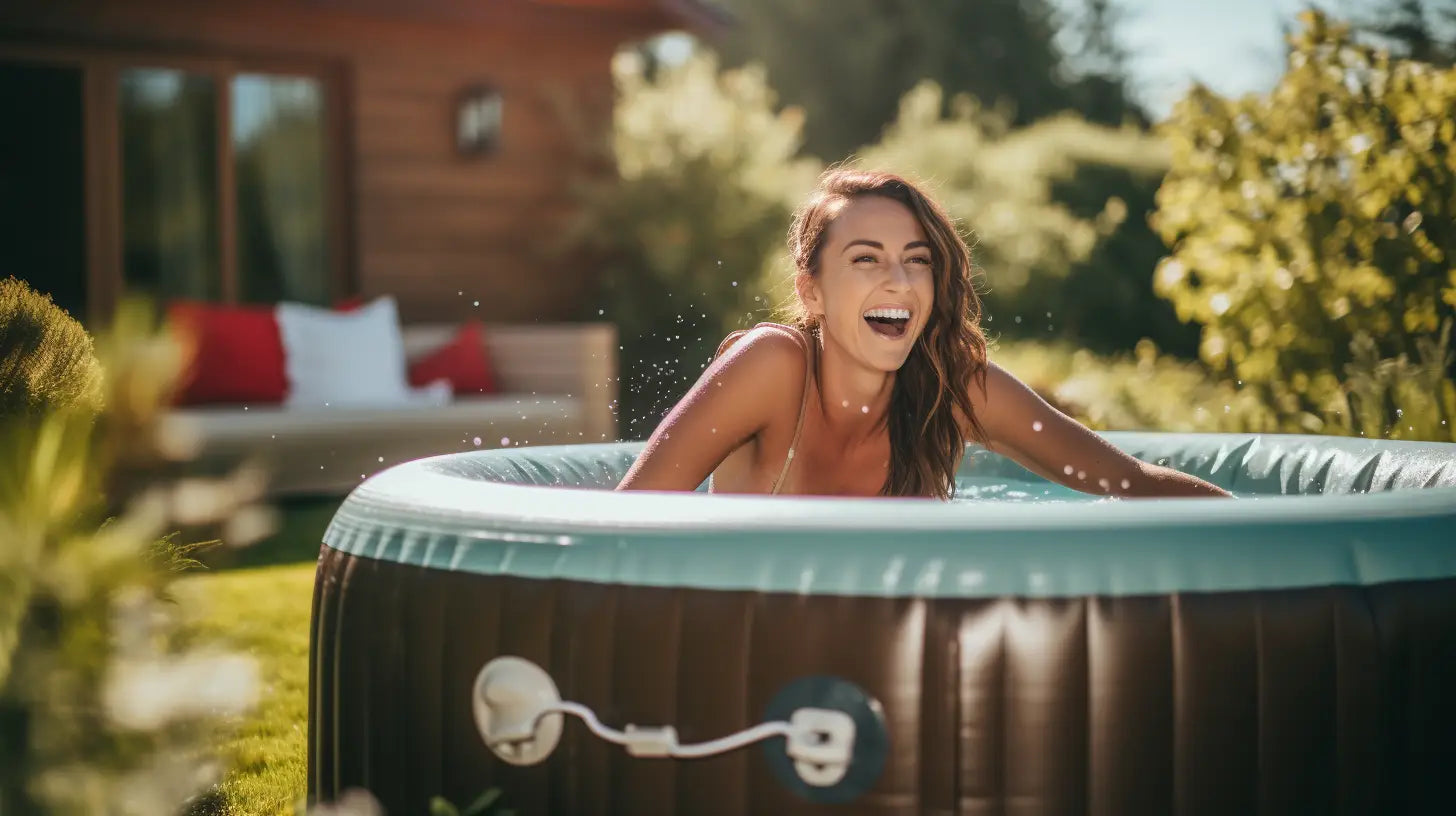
column 503, row 619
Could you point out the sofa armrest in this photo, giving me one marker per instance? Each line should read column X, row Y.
column 576, row 359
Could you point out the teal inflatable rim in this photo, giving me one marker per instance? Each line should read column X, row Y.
column 1326, row 511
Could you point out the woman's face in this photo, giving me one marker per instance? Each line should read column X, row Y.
column 875, row 286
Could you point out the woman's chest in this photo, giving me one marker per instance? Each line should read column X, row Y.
column 824, row 465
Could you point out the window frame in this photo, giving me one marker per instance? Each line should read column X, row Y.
column 101, row 70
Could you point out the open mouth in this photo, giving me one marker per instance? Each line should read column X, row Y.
column 889, row 323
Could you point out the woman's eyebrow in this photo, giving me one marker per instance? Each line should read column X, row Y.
column 877, row 245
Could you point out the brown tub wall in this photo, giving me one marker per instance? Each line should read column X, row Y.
column 1324, row 700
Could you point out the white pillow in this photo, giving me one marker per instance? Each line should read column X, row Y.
column 348, row 359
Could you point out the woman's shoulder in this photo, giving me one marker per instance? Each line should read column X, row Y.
column 767, row 344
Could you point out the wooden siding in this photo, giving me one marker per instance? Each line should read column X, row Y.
column 419, row 221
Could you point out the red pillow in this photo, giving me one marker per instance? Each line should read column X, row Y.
column 235, row 353
column 463, row 361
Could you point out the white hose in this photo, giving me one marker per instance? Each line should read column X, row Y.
column 661, row 741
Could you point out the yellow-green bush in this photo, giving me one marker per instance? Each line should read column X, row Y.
column 1142, row 390
column 706, row 180
column 1312, row 230
column 46, row 358
column 1049, row 208
column 103, row 708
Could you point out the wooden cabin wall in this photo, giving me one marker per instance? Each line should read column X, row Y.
column 420, row 221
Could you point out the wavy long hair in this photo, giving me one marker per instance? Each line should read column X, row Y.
column 931, row 391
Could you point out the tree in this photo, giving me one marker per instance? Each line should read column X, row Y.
column 1313, row 229
column 1102, row 89
column 847, row 63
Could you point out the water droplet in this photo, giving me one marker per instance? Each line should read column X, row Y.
column 735, row 283
column 505, row 440
column 715, row 430
column 1226, row 409
column 1082, row 474
column 1126, row 484
column 601, row 311
column 864, row 409
column 461, row 292
column 476, row 440
column 1036, row 426
column 381, row 458
column 1067, row 470
column 1018, row 318
column 1399, row 412
column 845, row 403
column 477, row 303
column 1103, row 483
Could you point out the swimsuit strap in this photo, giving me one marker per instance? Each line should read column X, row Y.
column 803, row 409
column 803, row 401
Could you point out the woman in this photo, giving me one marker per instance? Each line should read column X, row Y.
column 881, row 379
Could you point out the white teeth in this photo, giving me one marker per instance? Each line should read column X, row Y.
column 889, row 314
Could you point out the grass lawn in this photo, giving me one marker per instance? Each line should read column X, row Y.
column 264, row 612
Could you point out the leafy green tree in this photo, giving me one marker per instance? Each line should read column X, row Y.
column 1312, row 228
column 705, row 181
column 1102, row 90
column 847, row 63
column 1407, row 28
column 1062, row 258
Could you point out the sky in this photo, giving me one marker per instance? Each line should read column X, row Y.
column 1232, row 46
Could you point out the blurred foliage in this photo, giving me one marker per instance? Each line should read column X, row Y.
column 1313, row 234
column 689, row 231
column 46, row 358
column 847, row 63
column 1138, row 390
column 706, row 183
column 1146, row 390
column 102, row 708
column 1423, row 30
column 1064, row 255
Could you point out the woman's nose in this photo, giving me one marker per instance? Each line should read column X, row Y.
column 899, row 276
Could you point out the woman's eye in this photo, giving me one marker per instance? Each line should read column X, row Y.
column 920, row 259
column 869, row 258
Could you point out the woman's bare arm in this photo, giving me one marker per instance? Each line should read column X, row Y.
column 730, row 403
column 1022, row 426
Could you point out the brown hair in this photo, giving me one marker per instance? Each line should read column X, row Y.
column 927, row 439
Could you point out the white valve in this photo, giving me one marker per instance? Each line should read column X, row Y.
column 518, row 712
column 513, row 704
column 821, row 743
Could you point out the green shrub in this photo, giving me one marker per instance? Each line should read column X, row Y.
column 103, row 707
column 1312, row 231
column 705, row 184
column 1138, row 391
column 998, row 182
column 46, row 358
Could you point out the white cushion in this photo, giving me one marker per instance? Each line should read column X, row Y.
column 346, row 359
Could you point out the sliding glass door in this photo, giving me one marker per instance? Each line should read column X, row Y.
column 204, row 178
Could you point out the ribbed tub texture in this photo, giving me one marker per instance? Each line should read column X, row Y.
column 1334, row 700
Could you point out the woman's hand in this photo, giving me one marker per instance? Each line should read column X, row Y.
column 1022, row 426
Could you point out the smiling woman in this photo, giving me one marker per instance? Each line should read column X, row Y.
column 881, row 377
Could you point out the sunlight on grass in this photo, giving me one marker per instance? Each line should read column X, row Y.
column 264, row 613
